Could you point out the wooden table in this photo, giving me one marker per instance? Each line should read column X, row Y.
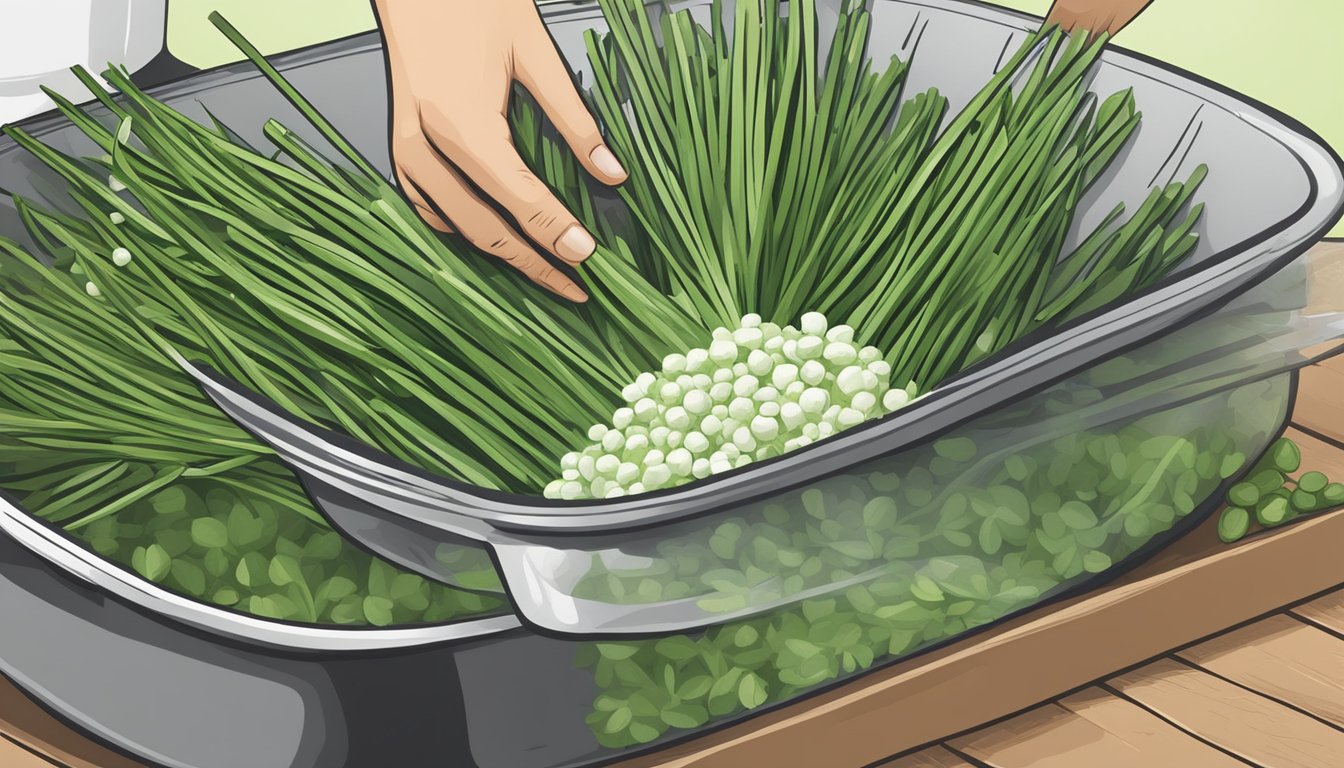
column 1207, row 654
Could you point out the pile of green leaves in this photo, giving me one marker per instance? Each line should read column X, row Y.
column 1138, row 478
column 1269, row 496
column 950, row 538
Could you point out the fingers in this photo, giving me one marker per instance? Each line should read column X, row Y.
column 1095, row 16
column 482, row 226
column 540, row 69
column 483, row 151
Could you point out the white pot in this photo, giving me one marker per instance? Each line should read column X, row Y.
column 40, row 40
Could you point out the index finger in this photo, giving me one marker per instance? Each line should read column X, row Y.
column 1096, row 16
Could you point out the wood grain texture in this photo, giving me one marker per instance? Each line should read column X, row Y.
column 1317, row 454
column 1281, row 657
column 1240, row 721
column 25, row 722
column 1320, row 400
column 13, row 755
column 1325, row 277
column 1326, row 611
column 1094, row 729
column 933, row 757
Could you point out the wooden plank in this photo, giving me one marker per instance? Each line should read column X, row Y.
column 13, row 755
column 933, row 757
column 1238, row 720
column 1030, row 660
column 1319, row 405
column 1317, row 455
column 1325, row 611
column 1159, row 742
column 1281, row 657
column 23, row 721
column 1325, row 288
column 1336, row 361
column 1325, row 277
column 1093, row 728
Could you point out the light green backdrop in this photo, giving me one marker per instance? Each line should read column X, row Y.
column 1286, row 53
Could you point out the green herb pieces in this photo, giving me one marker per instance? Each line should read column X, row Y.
column 230, row 541
column 1233, row 524
column 948, row 537
column 1312, row 482
column 1272, row 498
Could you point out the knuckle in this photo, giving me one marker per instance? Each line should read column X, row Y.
column 410, row 158
column 405, row 133
column 537, row 210
column 546, row 274
column 495, row 241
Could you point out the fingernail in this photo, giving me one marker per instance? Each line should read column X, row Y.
column 607, row 163
column 574, row 293
column 575, row 244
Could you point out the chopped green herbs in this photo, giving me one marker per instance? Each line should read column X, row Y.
column 1271, row 498
column 917, row 549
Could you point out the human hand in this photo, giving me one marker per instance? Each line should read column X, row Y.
column 1095, row 16
column 452, row 65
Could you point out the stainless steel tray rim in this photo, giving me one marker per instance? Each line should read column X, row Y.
column 90, row 568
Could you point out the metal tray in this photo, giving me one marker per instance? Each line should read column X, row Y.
column 182, row 684
column 1272, row 190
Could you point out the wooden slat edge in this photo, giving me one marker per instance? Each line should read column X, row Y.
column 936, row 756
column 1238, row 719
column 24, row 721
column 1326, row 612
column 921, row 701
column 15, row 755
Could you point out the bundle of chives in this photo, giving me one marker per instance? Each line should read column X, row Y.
column 378, row 328
column 762, row 180
column 94, row 418
column 768, row 182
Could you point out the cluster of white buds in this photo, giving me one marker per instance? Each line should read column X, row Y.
column 757, row 391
